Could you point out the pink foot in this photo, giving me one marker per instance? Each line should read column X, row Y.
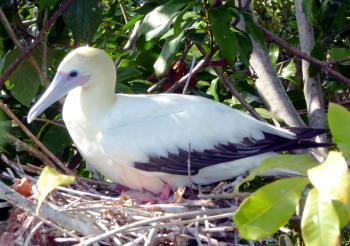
column 142, row 197
column 167, row 189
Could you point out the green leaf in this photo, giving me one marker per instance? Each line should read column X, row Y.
column 295, row 163
column 159, row 20
column 337, row 118
column 212, row 90
column 269, row 208
column 125, row 74
column 169, row 50
column 254, row 30
column 49, row 180
column 56, row 139
column 274, row 52
column 310, row 10
column 320, row 224
column 221, row 26
column 289, row 70
column 83, row 18
column 47, row 4
column 331, row 178
column 25, row 80
column 339, row 53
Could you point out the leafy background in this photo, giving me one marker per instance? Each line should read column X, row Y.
column 154, row 44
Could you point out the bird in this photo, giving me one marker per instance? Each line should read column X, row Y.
column 149, row 142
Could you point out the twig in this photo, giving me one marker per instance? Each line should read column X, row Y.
column 294, row 51
column 64, row 6
column 222, row 212
column 124, row 13
column 52, row 122
column 189, row 75
column 32, row 232
column 235, row 93
column 29, row 149
column 157, row 85
column 45, row 150
column 47, row 214
column 189, row 168
column 202, row 63
column 16, row 41
column 342, row 60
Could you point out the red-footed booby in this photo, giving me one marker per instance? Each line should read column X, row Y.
column 143, row 141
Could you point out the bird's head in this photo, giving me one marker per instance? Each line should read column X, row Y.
column 83, row 67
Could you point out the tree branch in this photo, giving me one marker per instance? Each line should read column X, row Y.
column 294, row 51
column 64, row 6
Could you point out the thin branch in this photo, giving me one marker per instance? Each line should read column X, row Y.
column 136, row 225
column 342, row 60
column 202, row 63
column 189, row 75
column 229, row 86
column 16, row 41
column 294, row 51
column 50, row 216
column 29, row 149
column 45, row 150
column 64, row 6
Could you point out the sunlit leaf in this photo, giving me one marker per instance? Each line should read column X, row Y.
column 266, row 210
column 337, row 118
column 297, row 164
column 158, row 21
column 171, row 46
column 320, row 224
column 49, row 180
column 332, row 178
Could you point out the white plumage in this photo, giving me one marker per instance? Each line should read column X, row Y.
column 142, row 141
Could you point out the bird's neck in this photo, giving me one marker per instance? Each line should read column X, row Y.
column 88, row 105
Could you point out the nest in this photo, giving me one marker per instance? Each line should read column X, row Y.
column 102, row 216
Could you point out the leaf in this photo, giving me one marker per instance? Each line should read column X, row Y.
column 274, row 52
column 56, row 139
column 337, row 116
column 25, row 80
column 331, row 178
column 310, row 10
column 212, row 90
column 339, row 53
column 275, row 203
column 320, row 224
column 297, row 163
column 221, row 26
column 169, row 50
column 158, row 21
column 254, row 30
column 83, row 18
column 289, row 70
column 49, row 180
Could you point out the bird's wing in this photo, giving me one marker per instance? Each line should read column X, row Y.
column 206, row 132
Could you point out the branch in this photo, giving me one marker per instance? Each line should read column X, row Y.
column 45, row 150
column 202, row 63
column 50, row 216
column 37, row 41
column 223, row 78
column 16, row 41
column 294, row 51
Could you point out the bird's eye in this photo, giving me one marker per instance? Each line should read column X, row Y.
column 73, row 74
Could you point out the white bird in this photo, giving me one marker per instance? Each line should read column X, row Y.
column 143, row 141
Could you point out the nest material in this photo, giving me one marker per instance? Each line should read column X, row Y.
column 73, row 217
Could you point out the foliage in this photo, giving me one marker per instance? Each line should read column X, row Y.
column 327, row 203
column 154, row 41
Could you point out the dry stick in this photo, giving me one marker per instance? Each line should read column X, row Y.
column 37, row 40
column 294, row 51
column 158, row 219
column 235, row 93
column 45, row 150
column 16, row 41
column 48, row 215
column 202, row 63
column 189, row 75
column 31, row 150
